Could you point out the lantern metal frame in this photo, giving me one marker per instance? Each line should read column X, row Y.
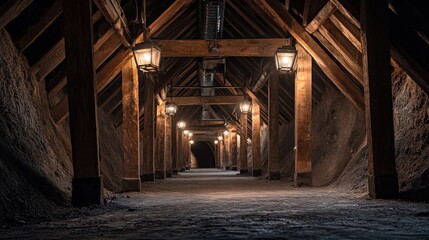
column 181, row 124
column 170, row 108
column 152, row 64
column 288, row 50
column 243, row 104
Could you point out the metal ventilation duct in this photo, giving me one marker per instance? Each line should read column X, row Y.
column 211, row 15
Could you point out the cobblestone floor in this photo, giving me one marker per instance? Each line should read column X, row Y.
column 214, row 204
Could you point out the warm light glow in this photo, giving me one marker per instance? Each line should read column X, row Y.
column 186, row 132
column 285, row 59
column 216, row 141
column 190, row 134
column 170, row 109
column 245, row 106
column 191, row 141
column 225, row 133
column 147, row 57
column 181, row 124
column 220, row 138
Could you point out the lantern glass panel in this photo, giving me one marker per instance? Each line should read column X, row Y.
column 285, row 59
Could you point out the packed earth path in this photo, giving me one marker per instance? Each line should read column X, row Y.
column 216, row 204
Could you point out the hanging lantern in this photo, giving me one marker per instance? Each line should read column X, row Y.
column 225, row 133
column 220, row 138
column 285, row 59
column 190, row 134
column 186, row 132
column 147, row 56
column 216, row 141
column 170, row 108
column 181, row 124
column 245, row 106
column 191, row 141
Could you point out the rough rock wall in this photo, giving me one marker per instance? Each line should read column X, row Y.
column 35, row 153
column 35, row 160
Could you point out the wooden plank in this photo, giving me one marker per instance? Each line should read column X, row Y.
column 347, row 28
column 10, row 9
column 208, row 100
column 273, row 128
column 243, row 167
column 165, row 18
column 321, row 17
column 256, row 139
column 344, row 7
column 148, row 168
column 225, row 47
column 115, row 16
column 34, row 30
column 234, row 148
column 383, row 178
column 52, row 58
column 303, row 118
column 131, row 127
column 87, row 182
column 343, row 82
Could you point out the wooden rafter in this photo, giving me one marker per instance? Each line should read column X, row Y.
column 11, row 9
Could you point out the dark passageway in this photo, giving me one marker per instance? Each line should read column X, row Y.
column 204, row 154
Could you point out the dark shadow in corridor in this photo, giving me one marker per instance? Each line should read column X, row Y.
column 204, row 154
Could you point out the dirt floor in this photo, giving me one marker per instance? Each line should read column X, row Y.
column 215, row 204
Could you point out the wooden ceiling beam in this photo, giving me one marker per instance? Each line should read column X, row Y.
column 345, row 84
column 35, row 29
column 225, row 47
column 207, row 100
column 10, row 9
column 115, row 16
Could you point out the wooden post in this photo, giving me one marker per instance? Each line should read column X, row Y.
column 160, row 143
column 131, row 127
column 221, row 156
column 179, row 151
column 383, row 178
column 188, row 155
column 227, row 147
column 87, row 186
column 303, row 101
column 148, row 134
column 234, row 149
column 216, row 153
column 243, row 144
column 168, row 155
column 174, row 146
column 256, row 139
column 273, row 127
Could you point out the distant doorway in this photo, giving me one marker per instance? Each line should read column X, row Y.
column 204, row 154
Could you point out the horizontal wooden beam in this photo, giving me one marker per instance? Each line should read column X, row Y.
column 207, row 100
column 222, row 48
column 212, row 128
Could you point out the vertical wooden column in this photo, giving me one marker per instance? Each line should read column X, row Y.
column 303, row 101
column 234, row 149
column 131, row 127
column 174, row 146
column 243, row 144
column 87, row 186
column 221, row 152
column 256, row 139
column 383, row 178
column 179, row 151
column 216, row 155
column 273, row 127
column 188, row 155
column 168, row 154
column 227, row 147
column 148, row 134
column 160, row 143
